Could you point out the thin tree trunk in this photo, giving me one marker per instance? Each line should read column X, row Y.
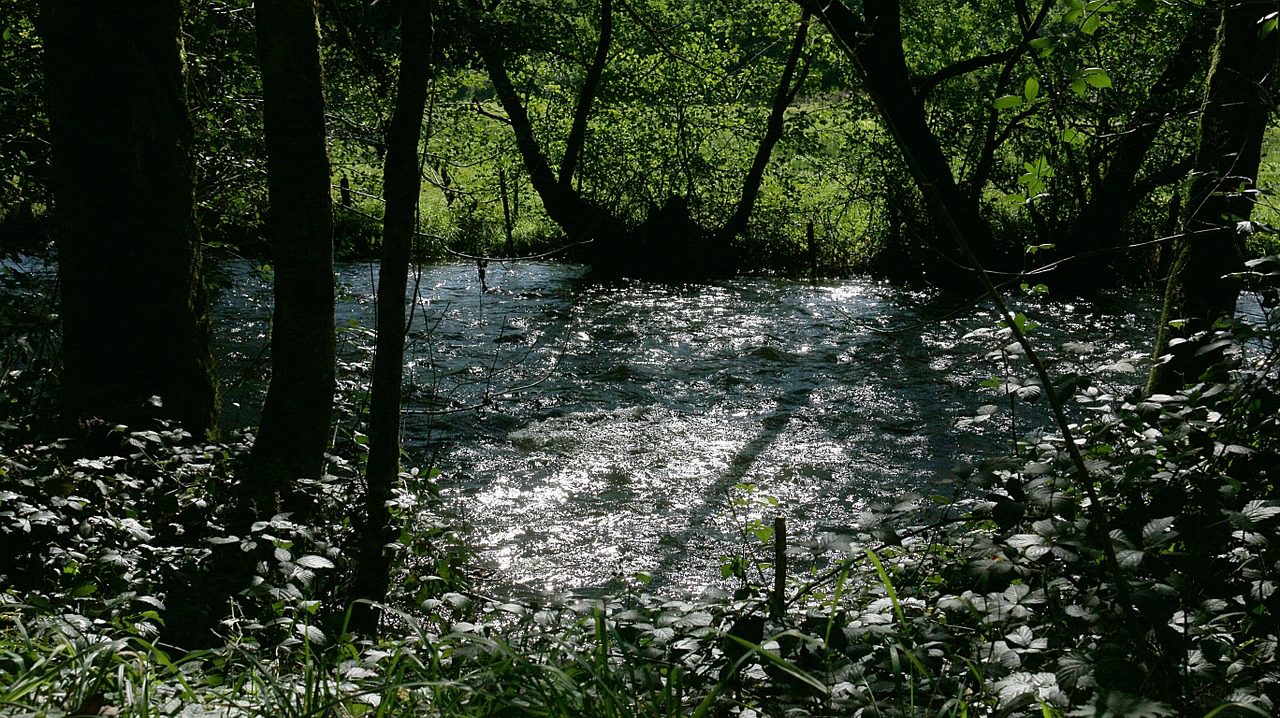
column 295, row 428
column 590, row 85
column 788, row 86
column 134, row 314
column 578, row 218
column 1234, row 117
column 402, row 182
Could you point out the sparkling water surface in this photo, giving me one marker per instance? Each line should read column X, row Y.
column 586, row 430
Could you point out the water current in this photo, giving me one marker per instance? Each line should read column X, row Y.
column 586, row 430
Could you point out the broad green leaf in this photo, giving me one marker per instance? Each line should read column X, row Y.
column 1073, row 136
column 1158, row 531
column 310, row 633
column 1079, row 87
column 1004, row 103
column 313, row 561
column 1096, row 77
column 1258, row 510
column 1032, row 89
column 1091, row 24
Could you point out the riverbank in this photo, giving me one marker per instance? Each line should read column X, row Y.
column 1013, row 586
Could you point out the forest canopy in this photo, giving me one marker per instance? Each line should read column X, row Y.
column 1064, row 124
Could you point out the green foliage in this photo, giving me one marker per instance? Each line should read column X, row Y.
column 24, row 131
column 993, row 597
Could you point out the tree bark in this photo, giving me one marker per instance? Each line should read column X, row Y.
column 134, row 312
column 1098, row 225
column 579, row 219
column 873, row 41
column 669, row 244
column 590, row 85
column 296, row 415
column 1233, row 119
column 402, row 181
column 788, row 86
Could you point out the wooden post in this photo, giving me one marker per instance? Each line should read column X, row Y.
column 778, row 609
column 812, row 248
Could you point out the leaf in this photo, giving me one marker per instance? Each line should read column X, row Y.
column 1021, row 636
column 1032, row 89
column 1004, row 103
column 1091, row 24
column 1072, row 136
column 311, row 633
column 1079, row 87
column 1097, row 77
column 1071, row 669
column 84, row 589
column 1129, row 558
column 313, row 561
column 1258, row 510
column 1158, row 532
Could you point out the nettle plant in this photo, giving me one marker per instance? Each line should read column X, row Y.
column 1148, row 584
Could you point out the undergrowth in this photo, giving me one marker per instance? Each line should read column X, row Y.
column 994, row 598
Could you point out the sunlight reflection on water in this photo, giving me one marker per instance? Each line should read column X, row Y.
column 625, row 412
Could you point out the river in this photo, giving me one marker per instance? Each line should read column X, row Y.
column 586, row 430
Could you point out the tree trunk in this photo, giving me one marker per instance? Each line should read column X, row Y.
column 873, row 41
column 1099, row 223
column 590, row 85
column 579, row 219
column 1234, row 116
column 295, row 427
column 134, row 315
column 402, row 182
column 788, row 86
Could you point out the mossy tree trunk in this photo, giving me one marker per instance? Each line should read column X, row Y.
column 1234, row 116
column 134, row 313
column 295, row 428
column 402, row 181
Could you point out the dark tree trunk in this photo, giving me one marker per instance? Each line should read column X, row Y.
column 402, row 181
column 579, row 219
column 669, row 244
column 295, row 427
column 788, row 86
column 1099, row 225
column 590, row 85
column 134, row 315
column 1235, row 113
column 873, row 41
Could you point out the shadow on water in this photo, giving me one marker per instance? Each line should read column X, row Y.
column 619, row 416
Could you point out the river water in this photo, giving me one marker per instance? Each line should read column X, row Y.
column 586, row 430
